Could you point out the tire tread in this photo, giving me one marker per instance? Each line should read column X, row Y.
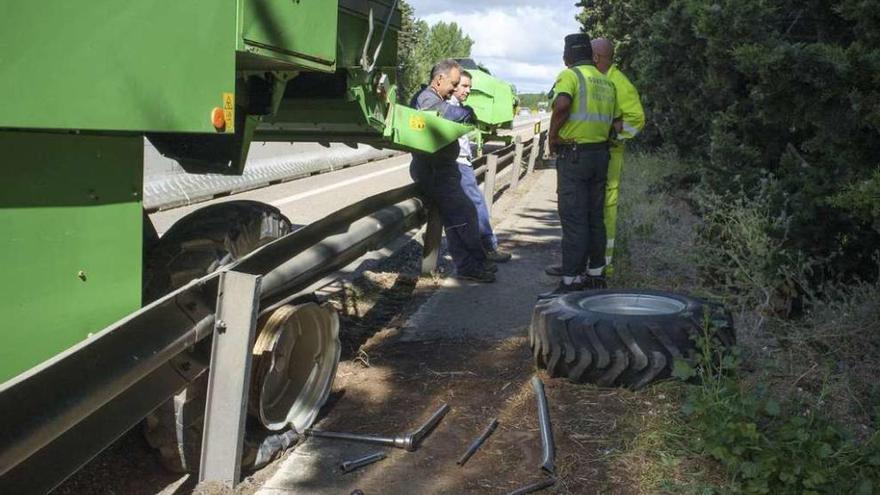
column 627, row 351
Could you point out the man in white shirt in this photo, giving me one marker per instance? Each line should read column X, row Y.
column 469, row 180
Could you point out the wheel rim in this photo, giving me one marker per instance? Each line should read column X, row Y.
column 296, row 355
column 632, row 304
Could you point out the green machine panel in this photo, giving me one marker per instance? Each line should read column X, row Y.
column 70, row 253
column 492, row 99
column 422, row 130
column 302, row 33
column 161, row 65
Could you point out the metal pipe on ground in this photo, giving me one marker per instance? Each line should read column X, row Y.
column 408, row 441
column 534, row 487
column 472, row 449
column 547, row 444
column 349, row 466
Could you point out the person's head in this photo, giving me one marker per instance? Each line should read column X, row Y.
column 603, row 54
column 577, row 49
column 464, row 86
column 445, row 77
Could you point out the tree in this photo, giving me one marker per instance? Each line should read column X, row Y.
column 420, row 46
column 413, row 34
column 446, row 40
column 755, row 89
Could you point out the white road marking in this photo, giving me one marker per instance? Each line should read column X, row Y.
column 321, row 190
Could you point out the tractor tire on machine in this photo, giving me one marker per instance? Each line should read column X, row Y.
column 295, row 353
column 624, row 338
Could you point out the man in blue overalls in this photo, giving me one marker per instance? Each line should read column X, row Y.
column 439, row 179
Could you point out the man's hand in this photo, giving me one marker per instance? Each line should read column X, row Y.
column 561, row 112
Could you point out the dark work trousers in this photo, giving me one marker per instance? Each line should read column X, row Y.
column 580, row 187
column 441, row 183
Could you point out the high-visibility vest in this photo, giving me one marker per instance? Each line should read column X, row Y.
column 629, row 103
column 593, row 107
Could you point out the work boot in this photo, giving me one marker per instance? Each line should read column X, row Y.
column 490, row 266
column 477, row 275
column 498, row 255
column 553, row 270
column 562, row 289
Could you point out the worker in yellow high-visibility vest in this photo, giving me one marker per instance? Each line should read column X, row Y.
column 633, row 122
column 584, row 112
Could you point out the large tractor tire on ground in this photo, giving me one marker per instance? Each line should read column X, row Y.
column 625, row 338
column 194, row 246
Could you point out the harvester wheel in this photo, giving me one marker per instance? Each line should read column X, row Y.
column 207, row 239
column 626, row 338
column 196, row 245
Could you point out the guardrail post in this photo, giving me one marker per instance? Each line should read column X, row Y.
column 431, row 241
column 533, row 154
column 545, row 137
column 489, row 182
column 517, row 162
column 229, row 377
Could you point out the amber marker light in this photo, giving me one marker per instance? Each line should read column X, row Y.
column 217, row 118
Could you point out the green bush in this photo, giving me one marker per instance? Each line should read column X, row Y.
column 788, row 90
column 769, row 446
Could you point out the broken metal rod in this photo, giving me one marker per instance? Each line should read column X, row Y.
column 534, row 487
column 547, row 460
column 349, row 466
column 408, row 441
column 400, row 442
column 478, row 442
column 429, row 425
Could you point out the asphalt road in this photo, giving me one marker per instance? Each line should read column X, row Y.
column 309, row 199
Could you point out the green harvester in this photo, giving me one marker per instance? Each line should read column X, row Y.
column 86, row 82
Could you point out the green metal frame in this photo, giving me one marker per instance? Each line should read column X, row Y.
column 284, row 35
column 71, row 247
column 105, row 65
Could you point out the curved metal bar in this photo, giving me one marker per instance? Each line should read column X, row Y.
column 549, row 454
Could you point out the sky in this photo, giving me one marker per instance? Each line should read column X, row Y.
column 520, row 41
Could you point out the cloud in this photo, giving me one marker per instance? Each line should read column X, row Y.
column 520, row 41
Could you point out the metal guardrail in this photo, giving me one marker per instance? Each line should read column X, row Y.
column 57, row 416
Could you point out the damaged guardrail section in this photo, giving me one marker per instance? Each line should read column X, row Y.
column 57, row 416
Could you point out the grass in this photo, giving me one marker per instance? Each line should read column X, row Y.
column 656, row 229
column 657, row 236
column 795, row 413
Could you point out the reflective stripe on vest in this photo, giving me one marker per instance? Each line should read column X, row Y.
column 630, row 129
column 582, row 114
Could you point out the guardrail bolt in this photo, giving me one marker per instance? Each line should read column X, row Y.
column 221, row 326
